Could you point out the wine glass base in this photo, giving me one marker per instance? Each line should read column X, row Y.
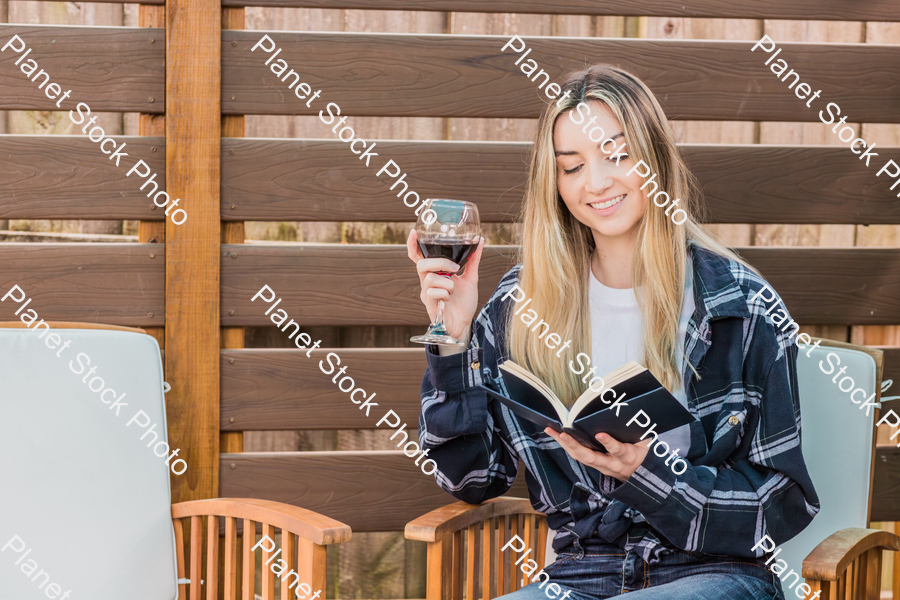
column 437, row 338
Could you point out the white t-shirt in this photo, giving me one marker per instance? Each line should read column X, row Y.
column 617, row 337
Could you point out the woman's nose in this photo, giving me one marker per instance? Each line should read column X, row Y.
column 598, row 177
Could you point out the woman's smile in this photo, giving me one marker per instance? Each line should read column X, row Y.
column 607, row 207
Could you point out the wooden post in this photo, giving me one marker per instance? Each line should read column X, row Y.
column 232, row 232
column 153, row 232
column 193, row 164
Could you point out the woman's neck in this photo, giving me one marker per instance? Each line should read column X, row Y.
column 611, row 260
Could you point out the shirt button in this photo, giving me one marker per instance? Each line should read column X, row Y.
column 733, row 421
column 475, row 365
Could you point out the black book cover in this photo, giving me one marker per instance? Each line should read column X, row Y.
column 642, row 392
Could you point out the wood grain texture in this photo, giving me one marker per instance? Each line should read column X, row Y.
column 317, row 180
column 376, row 284
column 233, row 233
column 830, row 10
column 468, row 76
column 879, row 10
column 829, row 560
column 112, row 69
column 369, row 491
column 193, row 142
column 886, row 487
column 149, row 231
column 438, row 524
column 116, row 284
column 69, row 177
column 891, row 368
column 323, row 180
column 272, row 389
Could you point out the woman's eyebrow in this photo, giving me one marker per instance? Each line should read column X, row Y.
column 571, row 152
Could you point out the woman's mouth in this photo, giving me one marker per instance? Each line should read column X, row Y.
column 608, row 203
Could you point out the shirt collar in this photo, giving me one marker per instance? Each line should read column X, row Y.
column 717, row 293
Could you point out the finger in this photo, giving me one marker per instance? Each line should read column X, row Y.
column 434, row 265
column 612, row 445
column 471, row 273
column 433, row 280
column 437, row 294
column 580, row 453
column 412, row 247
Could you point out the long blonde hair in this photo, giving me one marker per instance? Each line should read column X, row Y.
column 556, row 247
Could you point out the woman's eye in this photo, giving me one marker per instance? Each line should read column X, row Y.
column 623, row 157
column 572, row 170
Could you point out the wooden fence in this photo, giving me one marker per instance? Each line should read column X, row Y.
column 189, row 71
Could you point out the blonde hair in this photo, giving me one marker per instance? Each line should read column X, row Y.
column 556, row 247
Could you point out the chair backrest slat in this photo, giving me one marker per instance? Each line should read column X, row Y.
column 212, row 558
column 248, row 540
column 179, row 543
column 289, row 555
column 231, row 559
column 268, row 576
column 196, row 557
column 471, row 565
column 488, row 539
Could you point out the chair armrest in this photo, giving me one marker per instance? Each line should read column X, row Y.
column 829, row 560
column 309, row 525
column 433, row 526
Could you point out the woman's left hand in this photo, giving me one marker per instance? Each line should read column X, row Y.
column 623, row 459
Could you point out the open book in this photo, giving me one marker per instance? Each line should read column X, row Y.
column 632, row 386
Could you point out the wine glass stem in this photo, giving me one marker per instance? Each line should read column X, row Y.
column 439, row 319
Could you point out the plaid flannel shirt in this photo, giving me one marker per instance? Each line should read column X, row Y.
column 746, row 476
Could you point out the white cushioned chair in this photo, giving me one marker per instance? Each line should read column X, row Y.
column 91, row 500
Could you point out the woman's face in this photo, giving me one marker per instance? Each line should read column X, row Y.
column 596, row 190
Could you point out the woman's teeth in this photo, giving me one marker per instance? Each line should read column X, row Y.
column 607, row 204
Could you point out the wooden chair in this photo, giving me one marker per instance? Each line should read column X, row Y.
column 488, row 571
column 214, row 538
column 846, row 565
column 235, row 569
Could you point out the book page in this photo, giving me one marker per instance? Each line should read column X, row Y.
column 539, row 385
column 623, row 373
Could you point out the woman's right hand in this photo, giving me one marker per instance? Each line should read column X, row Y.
column 459, row 292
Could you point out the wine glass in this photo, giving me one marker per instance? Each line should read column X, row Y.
column 448, row 229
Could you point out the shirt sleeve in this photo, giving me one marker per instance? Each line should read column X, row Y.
column 456, row 427
column 763, row 487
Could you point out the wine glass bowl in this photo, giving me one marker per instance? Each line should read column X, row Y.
column 453, row 234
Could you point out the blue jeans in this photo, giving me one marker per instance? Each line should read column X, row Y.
column 609, row 572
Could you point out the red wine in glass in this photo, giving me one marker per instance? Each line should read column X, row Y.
column 453, row 249
column 451, row 231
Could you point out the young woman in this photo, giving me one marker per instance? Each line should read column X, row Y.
column 624, row 279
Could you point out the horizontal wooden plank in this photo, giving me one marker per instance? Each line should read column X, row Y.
column 263, row 178
column 826, row 10
column 369, row 74
column 369, row 491
column 362, row 284
column 274, row 389
column 111, row 69
column 886, row 487
column 122, row 284
column 69, row 177
column 116, row 284
column 284, row 389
